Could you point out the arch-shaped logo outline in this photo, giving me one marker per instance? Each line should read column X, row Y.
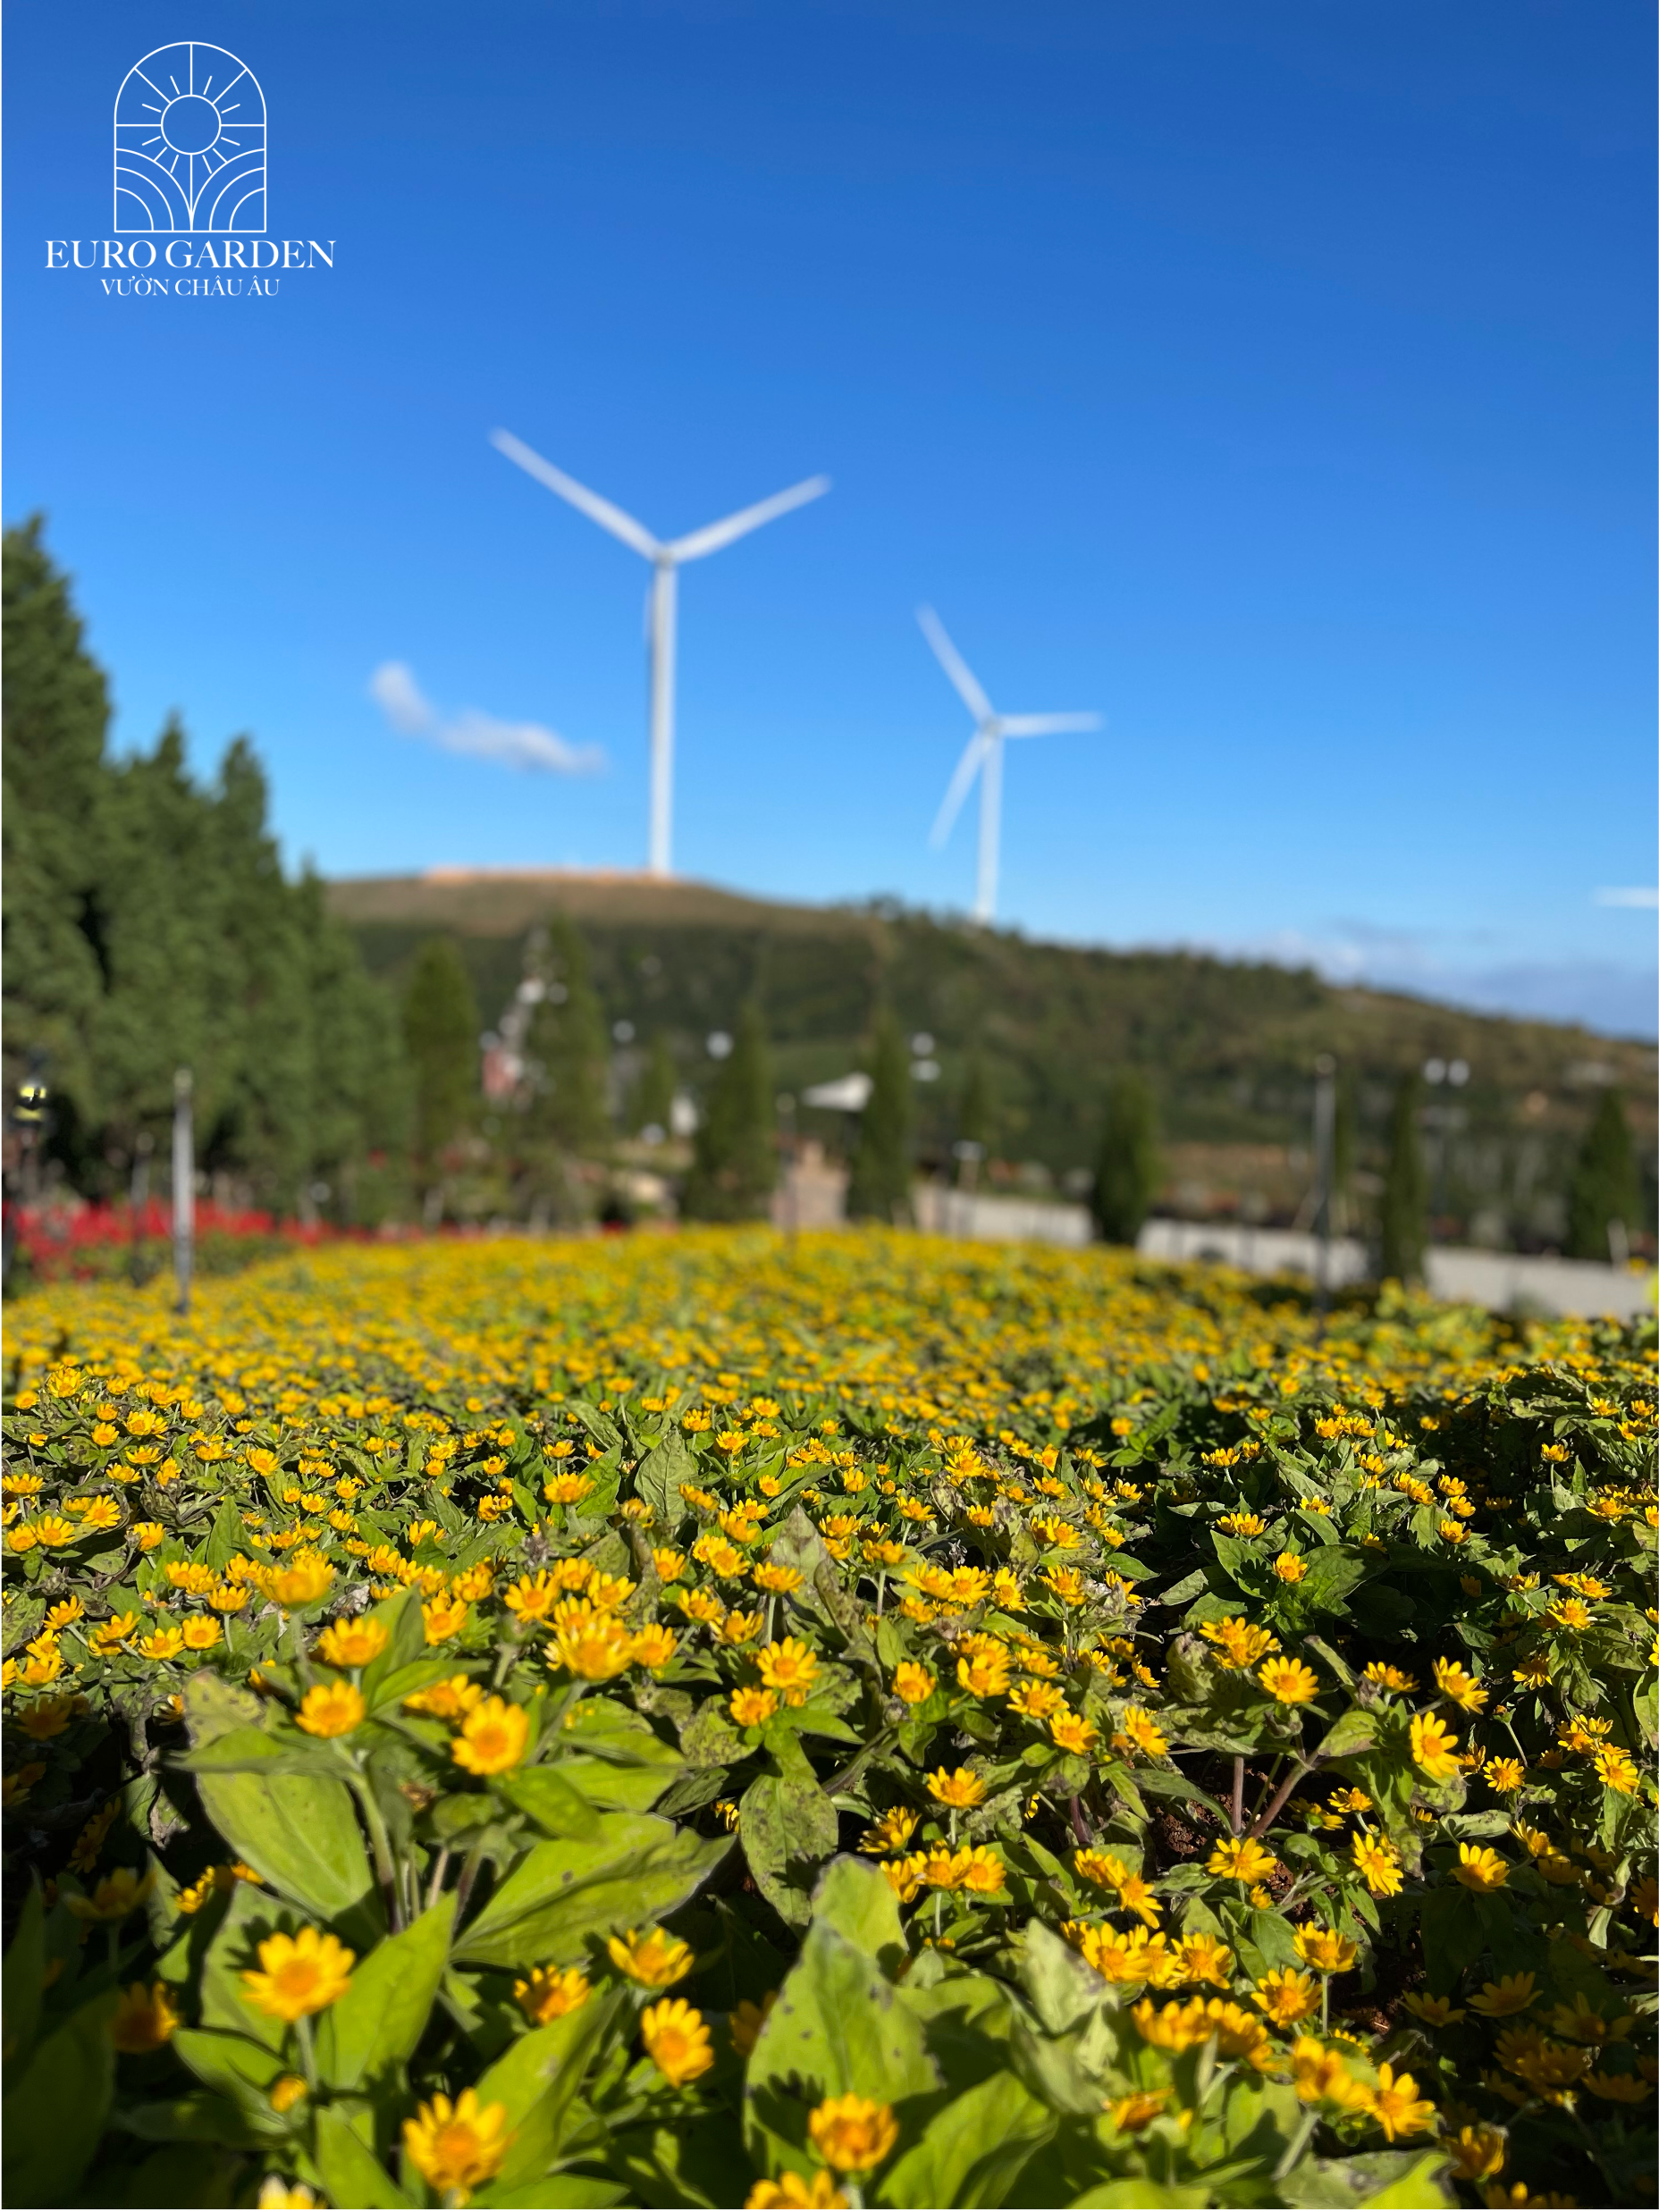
column 161, row 185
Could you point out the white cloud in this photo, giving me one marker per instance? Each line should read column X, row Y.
column 1640, row 894
column 470, row 731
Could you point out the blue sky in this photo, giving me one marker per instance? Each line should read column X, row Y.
column 1274, row 378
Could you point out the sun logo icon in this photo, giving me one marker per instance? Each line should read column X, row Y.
column 190, row 142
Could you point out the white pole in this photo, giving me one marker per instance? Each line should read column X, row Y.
column 662, row 609
column 183, row 1186
column 990, row 826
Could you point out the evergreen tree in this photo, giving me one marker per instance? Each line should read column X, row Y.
column 1127, row 1167
column 879, row 1188
column 735, row 1162
column 654, row 1102
column 1404, row 1219
column 1604, row 1188
column 973, row 1118
column 441, row 1039
column 56, row 714
column 567, row 1049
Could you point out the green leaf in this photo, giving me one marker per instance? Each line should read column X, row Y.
column 537, row 2079
column 351, row 2173
column 549, row 1799
column 237, row 2067
column 54, row 2113
column 839, row 2028
column 633, row 1869
column 214, row 1707
column 1060, row 1982
column 559, row 2190
column 972, row 2152
column 858, row 1900
column 1332, row 1572
column 787, row 1827
column 300, row 1831
column 1349, row 1733
column 1419, row 2185
column 23, row 1982
column 383, row 2012
column 658, row 1477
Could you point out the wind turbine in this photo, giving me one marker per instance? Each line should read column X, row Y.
column 666, row 557
column 983, row 757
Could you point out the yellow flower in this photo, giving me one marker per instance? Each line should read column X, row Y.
column 1131, row 2113
column 1138, row 1731
column 1503, row 1775
column 676, row 2037
column 1456, row 1683
column 751, row 1708
column 1433, row 1747
column 1290, row 1567
column 653, row 1647
column 791, row 2193
column 1319, row 2076
column 912, row 1683
column 444, row 1617
column 297, row 1974
column 446, row 1700
column 1479, row 1868
column 276, row 2195
column 790, row 1666
column 286, row 2091
column 162, row 1643
column 1386, row 1678
column 1289, row 1682
column 852, row 2134
column 1203, row 1958
column 1616, row 1769
column 892, row 1832
column 493, row 1738
column 352, row 1642
column 1395, row 2106
column 47, row 1716
column 1324, row 1950
column 1286, row 1996
column 1237, row 1643
column 201, row 1632
column 331, row 1709
column 960, row 1789
column 1377, row 1864
column 748, row 2020
column 458, row 2147
column 307, row 1576
column 1436, row 2012
column 550, row 1992
column 144, row 2018
column 1498, row 1999
column 593, row 1646
column 1073, row 1732
column 655, row 1960
column 1185, row 2027
column 1241, row 1858
column 116, row 1895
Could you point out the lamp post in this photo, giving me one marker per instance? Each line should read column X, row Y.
column 183, row 1186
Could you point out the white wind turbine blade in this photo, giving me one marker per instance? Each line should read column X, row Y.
column 954, row 667
column 1045, row 725
column 589, row 503
column 716, row 535
column 967, row 768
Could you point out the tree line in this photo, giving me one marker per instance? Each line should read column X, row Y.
column 150, row 925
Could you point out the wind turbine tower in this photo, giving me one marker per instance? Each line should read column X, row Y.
column 983, row 757
column 667, row 557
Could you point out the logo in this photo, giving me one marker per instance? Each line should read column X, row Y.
column 190, row 142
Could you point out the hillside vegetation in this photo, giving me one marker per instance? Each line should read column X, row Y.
column 1229, row 1048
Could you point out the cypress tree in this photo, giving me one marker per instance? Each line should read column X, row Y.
column 1403, row 1215
column 1127, row 1168
column 653, row 1101
column 879, row 1188
column 1605, row 1189
column 440, row 1037
column 973, row 1118
column 735, row 1162
column 568, row 1049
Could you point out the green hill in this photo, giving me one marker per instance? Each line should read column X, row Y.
column 1229, row 1046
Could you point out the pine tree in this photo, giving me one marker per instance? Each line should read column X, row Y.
column 441, row 1039
column 879, row 1188
column 1605, row 1189
column 736, row 1161
column 567, row 1049
column 1127, row 1167
column 1403, row 1215
column 653, row 1101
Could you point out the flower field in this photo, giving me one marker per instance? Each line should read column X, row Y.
column 721, row 1721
